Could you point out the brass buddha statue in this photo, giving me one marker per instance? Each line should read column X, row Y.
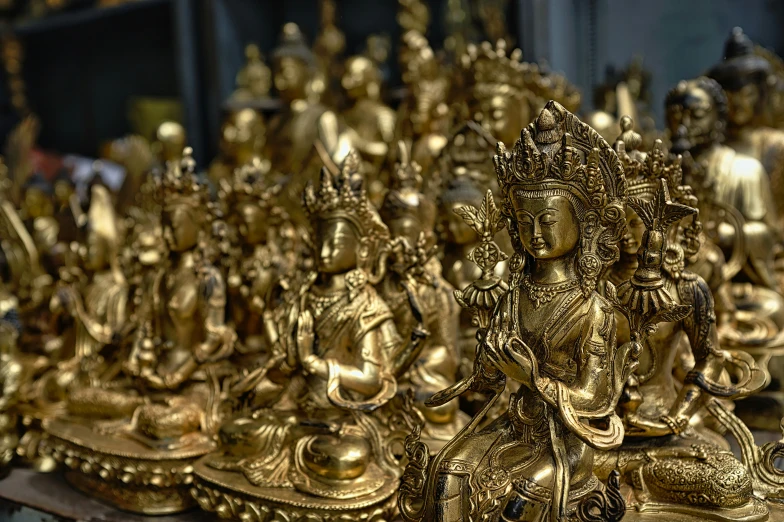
column 291, row 132
column 130, row 440
column 672, row 461
column 12, row 370
column 322, row 445
column 254, row 80
column 96, row 299
column 496, row 92
column 329, row 46
column 169, row 141
column 256, row 263
column 370, row 123
column 696, row 118
column 735, row 184
column 241, row 141
column 744, row 77
column 563, row 198
column 30, row 280
column 458, row 239
column 411, row 219
column 426, row 115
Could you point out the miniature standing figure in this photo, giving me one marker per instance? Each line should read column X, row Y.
column 563, row 196
column 254, row 79
column 241, row 141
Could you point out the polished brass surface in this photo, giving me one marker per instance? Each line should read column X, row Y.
column 366, row 306
column 668, row 452
column 254, row 80
column 320, row 416
column 132, row 423
column 562, row 190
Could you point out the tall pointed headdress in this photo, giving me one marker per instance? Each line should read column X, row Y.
column 560, row 155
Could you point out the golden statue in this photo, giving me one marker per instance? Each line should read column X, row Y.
column 497, row 93
column 413, row 15
column 256, row 263
column 696, row 118
column 673, row 462
column 425, row 113
column 11, row 380
column 329, row 46
column 458, row 239
column 317, row 438
column 241, row 141
column 735, row 184
column 30, row 283
column 169, row 142
column 411, row 219
column 131, row 440
column 563, row 196
column 292, row 132
column 370, row 123
column 744, row 77
column 254, row 80
column 96, row 298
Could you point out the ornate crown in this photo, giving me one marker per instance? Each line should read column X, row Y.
column 490, row 70
column 249, row 182
column 643, row 170
column 405, row 191
column 560, row 155
column 558, row 150
column 179, row 183
column 344, row 197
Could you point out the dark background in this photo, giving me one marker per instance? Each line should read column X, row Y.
column 83, row 66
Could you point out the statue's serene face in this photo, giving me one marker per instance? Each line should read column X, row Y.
column 694, row 110
column 360, row 74
column 457, row 231
column 407, row 227
column 337, row 247
column 635, row 228
column 548, row 227
column 291, row 78
column 742, row 104
column 504, row 116
column 252, row 226
column 239, row 134
column 180, row 228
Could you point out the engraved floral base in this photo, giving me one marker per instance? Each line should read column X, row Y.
column 146, row 501
column 140, row 482
column 754, row 511
column 213, row 494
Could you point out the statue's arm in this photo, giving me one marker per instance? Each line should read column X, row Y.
column 700, row 328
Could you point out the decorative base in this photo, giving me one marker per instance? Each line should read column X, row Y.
column 146, row 501
column 639, row 510
column 123, row 471
column 232, row 497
